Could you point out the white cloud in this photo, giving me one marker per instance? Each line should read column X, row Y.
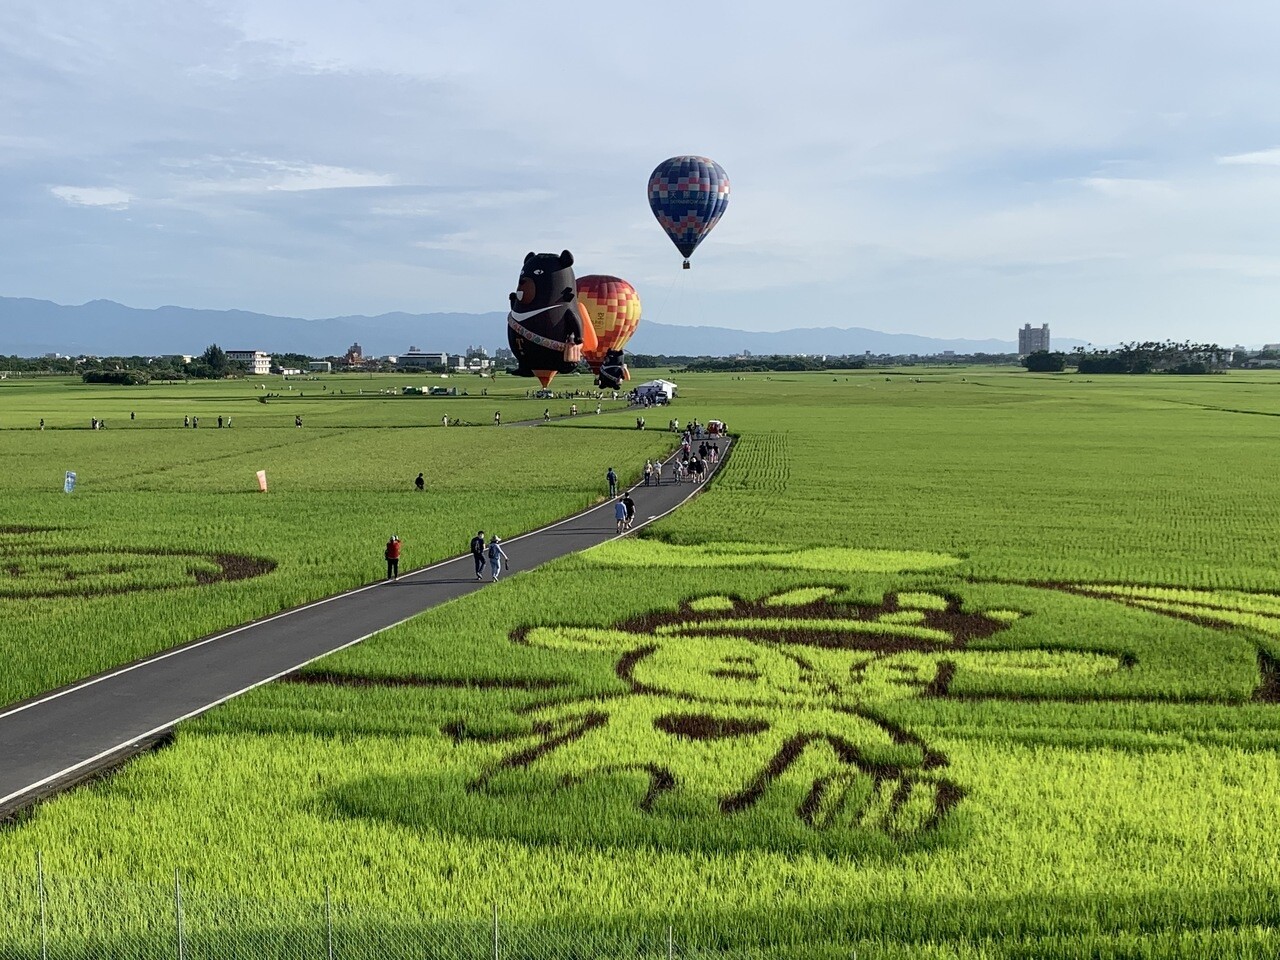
column 262, row 175
column 110, row 197
column 1130, row 188
column 1266, row 158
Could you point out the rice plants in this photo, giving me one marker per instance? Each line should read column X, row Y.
column 982, row 666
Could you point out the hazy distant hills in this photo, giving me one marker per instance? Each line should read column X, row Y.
column 105, row 328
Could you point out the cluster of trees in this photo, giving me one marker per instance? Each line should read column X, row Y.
column 1156, row 357
column 213, row 364
column 759, row 364
column 1150, row 356
column 784, row 362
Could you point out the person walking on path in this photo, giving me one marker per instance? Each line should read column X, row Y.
column 420, row 482
column 657, row 473
column 613, row 482
column 620, row 514
column 496, row 556
column 477, row 553
column 546, row 414
column 497, row 418
column 392, row 554
column 630, row 506
column 648, row 472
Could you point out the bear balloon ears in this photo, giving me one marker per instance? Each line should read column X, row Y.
column 566, row 258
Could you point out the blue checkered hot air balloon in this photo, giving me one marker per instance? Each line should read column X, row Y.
column 688, row 195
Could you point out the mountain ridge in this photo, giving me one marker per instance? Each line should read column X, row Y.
column 32, row 327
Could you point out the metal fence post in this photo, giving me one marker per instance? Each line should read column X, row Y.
column 177, row 912
column 495, row 932
column 671, row 944
column 44, row 929
column 328, row 920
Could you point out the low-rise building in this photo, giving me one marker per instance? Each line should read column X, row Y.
column 255, row 361
column 422, row 359
column 320, row 366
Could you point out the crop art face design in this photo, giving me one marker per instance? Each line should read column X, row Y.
column 772, row 704
column 809, row 719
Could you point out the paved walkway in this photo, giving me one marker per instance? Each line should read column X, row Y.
column 62, row 738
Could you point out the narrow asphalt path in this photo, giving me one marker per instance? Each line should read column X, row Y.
column 69, row 735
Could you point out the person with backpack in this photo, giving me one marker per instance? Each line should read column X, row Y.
column 477, row 553
column 613, row 482
column 496, row 556
column 392, row 553
column 630, row 506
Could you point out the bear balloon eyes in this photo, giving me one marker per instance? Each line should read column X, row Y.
column 537, row 273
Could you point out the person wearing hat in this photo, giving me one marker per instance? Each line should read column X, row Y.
column 393, row 558
column 496, row 556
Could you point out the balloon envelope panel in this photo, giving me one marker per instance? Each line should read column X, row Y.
column 688, row 196
column 613, row 306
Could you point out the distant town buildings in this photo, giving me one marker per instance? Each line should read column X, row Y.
column 354, row 357
column 320, row 366
column 255, row 361
column 1031, row 340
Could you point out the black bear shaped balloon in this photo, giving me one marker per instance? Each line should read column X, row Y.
column 612, row 371
column 545, row 327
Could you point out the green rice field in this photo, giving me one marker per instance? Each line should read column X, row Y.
column 962, row 663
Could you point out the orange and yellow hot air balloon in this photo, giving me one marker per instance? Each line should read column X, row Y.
column 613, row 307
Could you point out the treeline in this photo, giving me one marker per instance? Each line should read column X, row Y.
column 786, row 362
column 1150, row 356
column 213, row 364
column 763, row 364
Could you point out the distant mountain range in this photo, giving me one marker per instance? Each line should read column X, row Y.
column 31, row 328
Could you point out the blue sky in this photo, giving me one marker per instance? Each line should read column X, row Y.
column 948, row 169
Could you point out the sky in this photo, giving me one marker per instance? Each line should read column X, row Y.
column 938, row 168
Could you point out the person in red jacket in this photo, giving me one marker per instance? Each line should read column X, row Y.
column 393, row 558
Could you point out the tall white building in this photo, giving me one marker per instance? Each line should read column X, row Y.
column 255, row 361
column 1030, row 339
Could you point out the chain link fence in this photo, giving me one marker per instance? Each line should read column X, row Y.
column 44, row 918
